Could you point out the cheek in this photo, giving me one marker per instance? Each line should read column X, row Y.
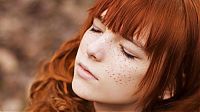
column 122, row 76
column 122, row 79
column 124, row 71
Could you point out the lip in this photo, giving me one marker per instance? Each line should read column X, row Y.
column 85, row 73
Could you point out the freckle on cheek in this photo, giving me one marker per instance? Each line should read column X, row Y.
column 120, row 79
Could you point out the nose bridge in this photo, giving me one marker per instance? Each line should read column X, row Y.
column 104, row 40
column 106, row 36
column 97, row 49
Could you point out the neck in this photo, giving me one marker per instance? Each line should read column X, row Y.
column 102, row 107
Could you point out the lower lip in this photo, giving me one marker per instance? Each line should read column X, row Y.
column 84, row 74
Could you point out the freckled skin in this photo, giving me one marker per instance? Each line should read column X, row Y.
column 118, row 75
column 122, row 79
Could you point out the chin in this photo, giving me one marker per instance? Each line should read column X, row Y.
column 82, row 91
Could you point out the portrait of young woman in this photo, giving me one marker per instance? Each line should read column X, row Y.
column 129, row 56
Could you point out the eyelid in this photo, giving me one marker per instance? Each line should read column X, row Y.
column 95, row 30
column 98, row 24
column 128, row 52
column 128, row 55
column 96, row 27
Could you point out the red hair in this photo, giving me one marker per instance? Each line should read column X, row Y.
column 173, row 45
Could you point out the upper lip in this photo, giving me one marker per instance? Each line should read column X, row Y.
column 86, row 69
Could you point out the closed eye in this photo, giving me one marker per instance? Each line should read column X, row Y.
column 95, row 29
column 128, row 55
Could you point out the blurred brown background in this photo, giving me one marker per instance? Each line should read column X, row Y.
column 31, row 31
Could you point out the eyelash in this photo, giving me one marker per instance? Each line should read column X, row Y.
column 126, row 54
column 93, row 29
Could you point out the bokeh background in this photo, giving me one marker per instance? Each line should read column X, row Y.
column 31, row 31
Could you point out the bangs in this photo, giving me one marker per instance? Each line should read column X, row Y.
column 143, row 19
column 124, row 17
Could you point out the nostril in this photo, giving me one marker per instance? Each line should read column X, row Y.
column 94, row 56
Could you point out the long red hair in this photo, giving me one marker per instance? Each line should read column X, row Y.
column 173, row 45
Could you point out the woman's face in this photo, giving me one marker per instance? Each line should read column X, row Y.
column 117, row 66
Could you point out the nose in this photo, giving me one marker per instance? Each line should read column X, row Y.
column 97, row 49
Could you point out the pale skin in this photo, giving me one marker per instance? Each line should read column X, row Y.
column 102, row 51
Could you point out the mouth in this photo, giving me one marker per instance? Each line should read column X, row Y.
column 85, row 73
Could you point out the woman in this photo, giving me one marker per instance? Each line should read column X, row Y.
column 131, row 55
